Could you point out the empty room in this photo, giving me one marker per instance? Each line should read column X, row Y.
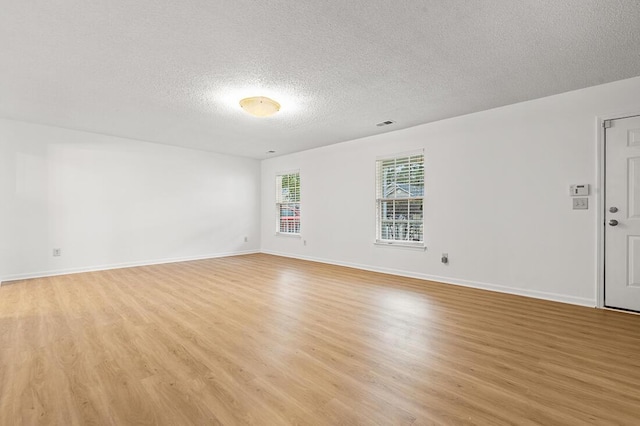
column 320, row 213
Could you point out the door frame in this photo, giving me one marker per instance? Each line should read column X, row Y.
column 600, row 197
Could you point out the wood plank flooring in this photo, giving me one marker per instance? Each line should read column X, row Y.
column 265, row 340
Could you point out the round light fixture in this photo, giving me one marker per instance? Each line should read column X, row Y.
column 260, row 106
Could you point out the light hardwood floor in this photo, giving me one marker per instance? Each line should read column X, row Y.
column 265, row 340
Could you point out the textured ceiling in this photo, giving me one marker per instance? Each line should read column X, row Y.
column 172, row 71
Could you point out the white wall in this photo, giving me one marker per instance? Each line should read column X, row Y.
column 108, row 201
column 497, row 198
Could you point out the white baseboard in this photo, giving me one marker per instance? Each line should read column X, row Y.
column 95, row 268
column 555, row 297
column 447, row 280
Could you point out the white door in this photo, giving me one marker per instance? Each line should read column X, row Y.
column 622, row 214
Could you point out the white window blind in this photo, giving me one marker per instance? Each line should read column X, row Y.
column 400, row 199
column 288, row 203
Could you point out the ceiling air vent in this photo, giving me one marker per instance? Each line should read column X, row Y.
column 385, row 123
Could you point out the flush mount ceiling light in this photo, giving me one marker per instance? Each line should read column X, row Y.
column 260, row 106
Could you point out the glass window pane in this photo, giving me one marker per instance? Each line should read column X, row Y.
column 401, row 210
column 401, row 231
column 386, row 210
column 415, row 210
column 415, row 232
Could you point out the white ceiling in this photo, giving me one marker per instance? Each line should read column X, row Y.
column 173, row 72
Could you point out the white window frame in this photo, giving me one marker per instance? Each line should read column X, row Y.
column 412, row 199
column 287, row 201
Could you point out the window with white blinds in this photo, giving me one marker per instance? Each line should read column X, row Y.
column 400, row 200
column 288, row 203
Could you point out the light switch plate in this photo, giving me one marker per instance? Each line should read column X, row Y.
column 580, row 203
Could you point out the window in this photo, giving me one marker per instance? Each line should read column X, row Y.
column 288, row 203
column 400, row 199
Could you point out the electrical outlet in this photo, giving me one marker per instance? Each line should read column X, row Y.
column 57, row 252
column 445, row 258
column 246, row 239
column 304, row 242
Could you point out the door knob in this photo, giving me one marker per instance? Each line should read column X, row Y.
column 613, row 210
column 613, row 222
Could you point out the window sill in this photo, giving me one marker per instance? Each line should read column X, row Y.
column 406, row 246
column 288, row 235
